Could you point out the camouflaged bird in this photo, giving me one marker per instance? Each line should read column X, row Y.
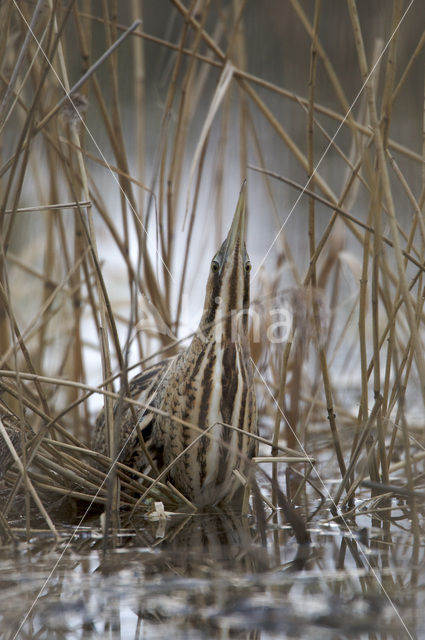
column 209, row 384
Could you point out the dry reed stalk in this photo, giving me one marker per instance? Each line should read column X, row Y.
column 346, row 481
column 30, row 129
column 311, row 169
column 277, row 422
column 6, row 99
column 395, row 146
column 282, row 133
column 382, row 177
column 85, row 387
column 286, row 249
column 139, row 71
column 416, row 204
column 388, row 194
column 386, row 110
column 409, row 65
column 28, row 482
column 188, row 104
column 339, row 92
column 291, row 95
column 116, row 396
column 343, row 213
column 7, row 533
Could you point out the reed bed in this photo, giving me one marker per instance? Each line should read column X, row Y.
column 76, row 176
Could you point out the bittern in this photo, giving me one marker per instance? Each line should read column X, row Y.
column 209, row 385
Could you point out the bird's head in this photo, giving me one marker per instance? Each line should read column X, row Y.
column 227, row 294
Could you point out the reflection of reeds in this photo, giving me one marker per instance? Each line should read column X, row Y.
column 48, row 297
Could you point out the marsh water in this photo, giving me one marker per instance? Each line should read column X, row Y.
column 220, row 575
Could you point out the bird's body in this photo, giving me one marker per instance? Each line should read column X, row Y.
column 208, row 385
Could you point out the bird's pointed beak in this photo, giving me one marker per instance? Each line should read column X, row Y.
column 237, row 230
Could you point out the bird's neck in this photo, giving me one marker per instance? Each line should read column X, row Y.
column 224, row 326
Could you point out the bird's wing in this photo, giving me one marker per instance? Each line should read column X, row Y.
column 134, row 422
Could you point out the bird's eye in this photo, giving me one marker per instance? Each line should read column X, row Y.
column 247, row 267
column 215, row 266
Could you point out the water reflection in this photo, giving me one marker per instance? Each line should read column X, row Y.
column 208, row 576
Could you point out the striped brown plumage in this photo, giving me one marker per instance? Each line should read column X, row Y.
column 209, row 384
